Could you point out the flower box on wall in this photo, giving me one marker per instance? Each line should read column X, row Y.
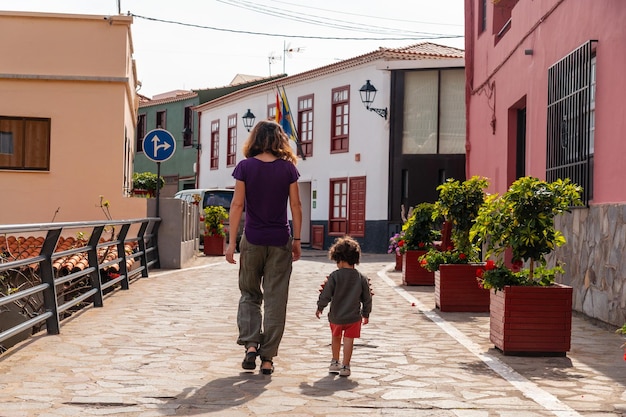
column 531, row 320
column 412, row 271
column 456, row 289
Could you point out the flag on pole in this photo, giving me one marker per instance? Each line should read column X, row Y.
column 287, row 122
column 278, row 115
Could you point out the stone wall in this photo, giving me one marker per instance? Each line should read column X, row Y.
column 595, row 261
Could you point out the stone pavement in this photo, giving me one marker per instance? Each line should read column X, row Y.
column 167, row 347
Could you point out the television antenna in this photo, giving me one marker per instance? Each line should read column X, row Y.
column 288, row 50
column 271, row 58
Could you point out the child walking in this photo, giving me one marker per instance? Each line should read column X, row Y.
column 348, row 292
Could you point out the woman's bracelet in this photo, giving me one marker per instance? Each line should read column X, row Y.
column 296, row 238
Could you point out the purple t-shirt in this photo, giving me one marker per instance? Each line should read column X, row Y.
column 267, row 192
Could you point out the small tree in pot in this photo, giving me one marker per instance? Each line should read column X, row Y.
column 458, row 204
column 529, row 313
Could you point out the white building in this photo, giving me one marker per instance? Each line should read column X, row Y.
column 359, row 166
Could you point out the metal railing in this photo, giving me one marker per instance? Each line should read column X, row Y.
column 128, row 241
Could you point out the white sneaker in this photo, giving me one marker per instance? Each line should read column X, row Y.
column 334, row 367
column 344, row 371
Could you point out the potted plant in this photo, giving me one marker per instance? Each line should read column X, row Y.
column 419, row 232
column 146, row 183
column 529, row 312
column 455, row 266
column 214, row 233
column 396, row 246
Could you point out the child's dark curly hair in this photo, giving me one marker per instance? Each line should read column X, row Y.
column 345, row 249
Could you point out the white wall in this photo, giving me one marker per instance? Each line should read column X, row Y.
column 368, row 138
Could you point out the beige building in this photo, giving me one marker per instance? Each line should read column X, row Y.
column 68, row 111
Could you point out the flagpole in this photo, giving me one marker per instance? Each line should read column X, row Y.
column 292, row 123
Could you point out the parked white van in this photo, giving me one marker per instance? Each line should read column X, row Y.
column 210, row 197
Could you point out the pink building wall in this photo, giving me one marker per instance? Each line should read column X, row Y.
column 78, row 71
column 565, row 26
column 512, row 73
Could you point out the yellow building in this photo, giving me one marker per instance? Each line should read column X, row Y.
column 68, row 111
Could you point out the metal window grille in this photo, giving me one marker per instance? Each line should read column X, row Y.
column 569, row 147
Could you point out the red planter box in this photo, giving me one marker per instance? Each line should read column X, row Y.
column 398, row 262
column 412, row 272
column 456, row 289
column 214, row 245
column 531, row 320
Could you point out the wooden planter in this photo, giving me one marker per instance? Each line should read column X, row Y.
column 531, row 320
column 456, row 289
column 412, row 272
column 214, row 245
column 398, row 262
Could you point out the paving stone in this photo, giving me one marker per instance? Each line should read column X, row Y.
column 168, row 347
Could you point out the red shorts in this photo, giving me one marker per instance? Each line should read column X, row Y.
column 352, row 330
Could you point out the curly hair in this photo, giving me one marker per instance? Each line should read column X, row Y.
column 345, row 249
column 268, row 136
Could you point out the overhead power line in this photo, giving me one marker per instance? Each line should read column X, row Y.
column 316, row 20
column 416, row 22
column 282, row 35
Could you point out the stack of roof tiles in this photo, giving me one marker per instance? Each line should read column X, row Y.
column 16, row 248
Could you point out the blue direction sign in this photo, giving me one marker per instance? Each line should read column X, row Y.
column 159, row 145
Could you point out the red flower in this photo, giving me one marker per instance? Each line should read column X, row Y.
column 401, row 243
column 421, row 244
column 462, row 256
column 480, row 272
column 480, row 283
column 490, row 265
column 517, row 265
column 423, row 262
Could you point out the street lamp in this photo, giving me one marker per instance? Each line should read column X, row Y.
column 248, row 120
column 368, row 93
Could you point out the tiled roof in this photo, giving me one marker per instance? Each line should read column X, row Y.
column 424, row 50
column 178, row 95
column 16, row 248
column 416, row 52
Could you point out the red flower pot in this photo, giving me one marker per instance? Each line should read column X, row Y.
column 531, row 320
column 456, row 289
column 214, row 245
column 412, row 271
column 398, row 262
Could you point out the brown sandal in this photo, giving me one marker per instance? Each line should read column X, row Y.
column 267, row 371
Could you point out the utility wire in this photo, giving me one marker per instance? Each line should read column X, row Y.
column 367, row 16
column 278, row 35
column 320, row 20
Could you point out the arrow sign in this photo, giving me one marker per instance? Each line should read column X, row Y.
column 159, row 145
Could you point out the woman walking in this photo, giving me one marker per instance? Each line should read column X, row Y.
column 265, row 181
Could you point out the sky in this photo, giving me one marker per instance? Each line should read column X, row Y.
column 195, row 44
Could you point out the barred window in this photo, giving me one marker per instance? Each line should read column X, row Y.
column 571, row 118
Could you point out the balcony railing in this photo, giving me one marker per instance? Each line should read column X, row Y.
column 48, row 271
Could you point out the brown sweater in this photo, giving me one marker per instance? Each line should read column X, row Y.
column 348, row 293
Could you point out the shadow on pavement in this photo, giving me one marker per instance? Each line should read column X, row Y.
column 219, row 394
column 328, row 385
